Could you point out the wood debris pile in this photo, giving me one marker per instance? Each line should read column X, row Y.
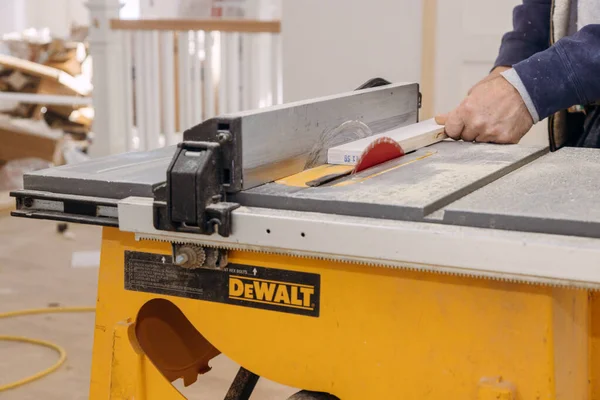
column 38, row 128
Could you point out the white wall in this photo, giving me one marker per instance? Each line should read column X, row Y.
column 332, row 46
column 56, row 15
column 468, row 38
column 159, row 8
column 12, row 16
column 467, row 41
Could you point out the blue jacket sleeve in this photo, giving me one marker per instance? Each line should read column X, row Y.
column 530, row 34
column 564, row 75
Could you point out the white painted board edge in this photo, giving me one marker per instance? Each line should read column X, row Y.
column 410, row 138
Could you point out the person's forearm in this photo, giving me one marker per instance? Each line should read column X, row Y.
column 530, row 34
column 564, row 75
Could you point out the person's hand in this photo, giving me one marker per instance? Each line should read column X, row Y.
column 493, row 112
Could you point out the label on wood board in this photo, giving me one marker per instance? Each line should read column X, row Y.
column 240, row 285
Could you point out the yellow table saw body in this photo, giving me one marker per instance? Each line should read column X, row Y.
column 381, row 333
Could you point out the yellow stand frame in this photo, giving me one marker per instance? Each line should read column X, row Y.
column 381, row 333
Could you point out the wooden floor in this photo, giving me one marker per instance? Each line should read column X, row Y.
column 35, row 271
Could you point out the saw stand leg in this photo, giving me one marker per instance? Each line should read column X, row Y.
column 306, row 395
column 245, row 382
column 132, row 375
column 243, row 385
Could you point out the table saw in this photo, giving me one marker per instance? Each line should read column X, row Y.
column 456, row 271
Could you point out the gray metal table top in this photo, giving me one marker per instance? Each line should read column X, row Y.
column 115, row 177
column 558, row 193
column 408, row 188
column 517, row 188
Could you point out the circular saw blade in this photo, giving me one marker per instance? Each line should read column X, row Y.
column 379, row 151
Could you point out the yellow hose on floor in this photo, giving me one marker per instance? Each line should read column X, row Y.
column 62, row 354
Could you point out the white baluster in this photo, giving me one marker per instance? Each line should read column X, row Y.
column 209, row 94
column 153, row 133
column 196, row 86
column 276, row 78
column 168, row 88
column 189, row 84
column 200, row 37
column 184, row 55
column 247, row 74
column 233, row 73
column 223, row 74
column 127, row 89
column 146, row 71
column 140, row 94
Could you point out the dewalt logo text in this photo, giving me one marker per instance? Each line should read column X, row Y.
column 239, row 285
column 270, row 292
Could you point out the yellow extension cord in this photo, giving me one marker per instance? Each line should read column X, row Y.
column 61, row 351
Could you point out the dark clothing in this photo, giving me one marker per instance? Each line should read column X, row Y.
column 530, row 34
column 556, row 76
column 591, row 130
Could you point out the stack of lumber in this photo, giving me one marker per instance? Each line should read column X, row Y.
column 23, row 76
column 39, row 64
column 38, row 124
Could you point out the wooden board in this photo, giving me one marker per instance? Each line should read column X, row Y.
column 67, row 84
column 17, row 142
column 410, row 138
column 29, row 67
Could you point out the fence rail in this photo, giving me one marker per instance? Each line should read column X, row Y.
column 221, row 25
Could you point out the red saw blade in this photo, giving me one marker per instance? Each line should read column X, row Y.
column 379, row 151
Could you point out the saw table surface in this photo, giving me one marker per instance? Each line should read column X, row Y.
column 508, row 187
column 407, row 188
column 115, row 177
column 558, row 193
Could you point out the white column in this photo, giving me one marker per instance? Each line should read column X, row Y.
column 109, row 80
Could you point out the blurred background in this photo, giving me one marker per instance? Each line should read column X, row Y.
column 105, row 76
column 88, row 78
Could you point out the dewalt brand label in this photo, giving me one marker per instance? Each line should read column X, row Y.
column 240, row 285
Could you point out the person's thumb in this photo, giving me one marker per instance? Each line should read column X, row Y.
column 441, row 119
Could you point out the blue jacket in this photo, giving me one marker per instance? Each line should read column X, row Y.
column 558, row 76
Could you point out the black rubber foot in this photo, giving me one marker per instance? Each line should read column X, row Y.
column 306, row 395
column 62, row 227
